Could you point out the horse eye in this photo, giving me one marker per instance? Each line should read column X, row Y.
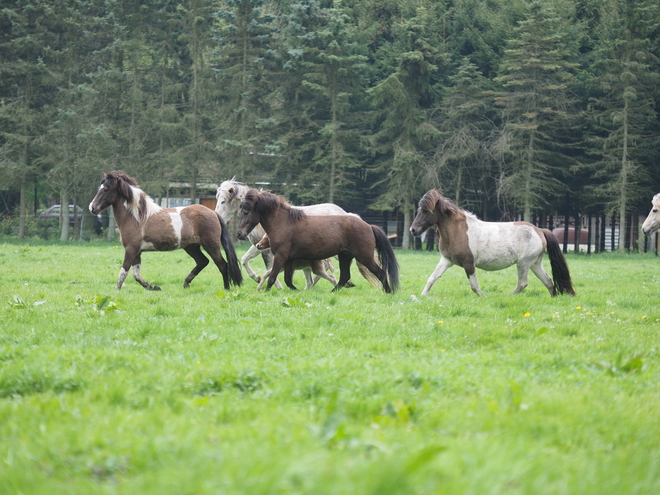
column 222, row 202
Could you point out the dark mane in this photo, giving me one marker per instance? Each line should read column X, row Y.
column 142, row 206
column 263, row 202
column 120, row 180
column 433, row 200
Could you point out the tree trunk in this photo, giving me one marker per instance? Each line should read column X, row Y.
column 22, row 212
column 407, row 220
column 625, row 165
column 64, row 215
column 110, row 234
column 527, row 212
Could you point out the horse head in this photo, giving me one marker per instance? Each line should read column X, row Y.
column 228, row 198
column 114, row 186
column 432, row 207
column 249, row 214
column 652, row 222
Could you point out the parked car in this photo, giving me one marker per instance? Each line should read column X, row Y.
column 54, row 212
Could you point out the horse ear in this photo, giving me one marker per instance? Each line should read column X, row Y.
column 232, row 192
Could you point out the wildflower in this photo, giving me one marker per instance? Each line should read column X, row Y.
column 643, row 317
column 578, row 307
column 442, row 350
column 440, row 321
column 528, row 314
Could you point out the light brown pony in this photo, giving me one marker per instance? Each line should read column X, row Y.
column 145, row 226
column 471, row 243
column 297, row 236
column 317, row 267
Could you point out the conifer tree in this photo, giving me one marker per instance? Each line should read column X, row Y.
column 536, row 74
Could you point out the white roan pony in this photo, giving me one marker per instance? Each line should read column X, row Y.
column 228, row 202
column 471, row 243
column 652, row 222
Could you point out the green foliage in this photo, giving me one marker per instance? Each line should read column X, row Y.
column 508, row 106
column 204, row 391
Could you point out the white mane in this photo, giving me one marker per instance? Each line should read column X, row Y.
column 150, row 206
column 656, row 200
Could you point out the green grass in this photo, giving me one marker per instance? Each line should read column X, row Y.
column 202, row 391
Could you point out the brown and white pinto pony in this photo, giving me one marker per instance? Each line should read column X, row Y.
column 471, row 243
column 294, row 235
column 652, row 222
column 145, row 226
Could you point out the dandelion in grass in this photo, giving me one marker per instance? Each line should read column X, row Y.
column 441, row 322
column 578, row 307
column 527, row 315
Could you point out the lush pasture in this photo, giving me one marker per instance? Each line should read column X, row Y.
column 201, row 391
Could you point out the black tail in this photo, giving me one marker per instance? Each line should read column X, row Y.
column 560, row 274
column 235, row 274
column 386, row 257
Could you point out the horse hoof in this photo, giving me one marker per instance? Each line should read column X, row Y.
column 349, row 284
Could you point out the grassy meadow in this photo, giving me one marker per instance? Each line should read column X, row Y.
column 203, row 391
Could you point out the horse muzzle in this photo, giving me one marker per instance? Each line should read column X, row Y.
column 241, row 235
column 92, row 210
column 415, row 232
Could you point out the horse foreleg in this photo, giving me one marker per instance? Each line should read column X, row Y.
column 252, row 253
column 441, row 268
column 129, row 258
column 523, row 270
column 278, row 263
column 309, row 281
column 195, row 252
column 470, row 271
column 288, row 275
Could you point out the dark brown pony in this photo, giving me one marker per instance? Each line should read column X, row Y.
column 471, row 243
column 145, row 226
column 296, row 236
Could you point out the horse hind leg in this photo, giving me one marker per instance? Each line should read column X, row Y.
column 216, row 255
column 319, row 269
column 345, row 260
column 137, row 263
column 195, row 252
column 537, row 269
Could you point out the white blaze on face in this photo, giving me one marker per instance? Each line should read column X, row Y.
column 177, row 225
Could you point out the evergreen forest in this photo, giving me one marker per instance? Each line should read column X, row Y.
column 514, row 109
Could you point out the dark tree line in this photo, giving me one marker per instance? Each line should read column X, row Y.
column 510, row 107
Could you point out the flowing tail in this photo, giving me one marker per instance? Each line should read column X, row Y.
column 386, row 257
column 235, row 274
column 560, row 274
column 368, row 276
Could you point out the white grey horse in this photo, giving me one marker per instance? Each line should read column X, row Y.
column 652, row 222
column 228, row 202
